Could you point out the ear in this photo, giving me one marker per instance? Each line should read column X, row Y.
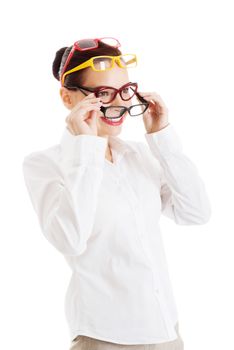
column 67, row 97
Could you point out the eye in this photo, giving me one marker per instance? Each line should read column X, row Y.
column 103, row 93
column 126, row 90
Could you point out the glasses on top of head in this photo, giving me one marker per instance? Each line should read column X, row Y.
column 103, row 63
column 108, row 93
column 89, row 44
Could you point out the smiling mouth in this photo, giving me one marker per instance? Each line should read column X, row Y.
column 113, row 121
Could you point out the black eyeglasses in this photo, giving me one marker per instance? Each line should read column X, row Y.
column 113, row 112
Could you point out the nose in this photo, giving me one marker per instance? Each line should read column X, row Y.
column 117, row 100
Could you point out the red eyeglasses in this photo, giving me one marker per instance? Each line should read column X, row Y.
column 108, row 93
column 89, row 44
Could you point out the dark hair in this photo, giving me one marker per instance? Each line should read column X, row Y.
column 79, row 57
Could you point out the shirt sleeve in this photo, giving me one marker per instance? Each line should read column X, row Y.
column 64, row 190
column 183, row 195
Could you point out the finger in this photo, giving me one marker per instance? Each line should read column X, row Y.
column 71, row 117
column 90, row 95
column 86, row 109
column 93, row 118
column 152, row 96
column 93, row 101
column 83, row 103
column 145, row 93
column 149, row 98
column 155, row 98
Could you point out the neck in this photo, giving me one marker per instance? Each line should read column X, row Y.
column 108, row 152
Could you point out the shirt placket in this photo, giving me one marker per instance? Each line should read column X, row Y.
column 130, row 196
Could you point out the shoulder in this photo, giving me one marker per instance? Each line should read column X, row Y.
column 141, row 147
column 138, row 146
column 39, row 161
column 49, row 152
column 144, row 152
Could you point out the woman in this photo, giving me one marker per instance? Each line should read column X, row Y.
column 99, row 198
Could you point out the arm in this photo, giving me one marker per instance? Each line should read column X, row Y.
column 64, row 193
column 183, row 194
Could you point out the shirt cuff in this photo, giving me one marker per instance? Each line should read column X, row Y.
column 82, row 149
column 164, row 142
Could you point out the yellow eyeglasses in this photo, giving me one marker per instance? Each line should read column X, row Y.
column 102, row 63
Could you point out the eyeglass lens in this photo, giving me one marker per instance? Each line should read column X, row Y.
column 128, row 61
column 103, row 63
column 92, row 43
column 108, row 94
column 110, row 41
column 87, row 43
column 118, row 111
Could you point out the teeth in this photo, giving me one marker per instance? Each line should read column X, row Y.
column 115, row 120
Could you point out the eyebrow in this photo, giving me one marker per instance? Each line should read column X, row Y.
column 106, row 86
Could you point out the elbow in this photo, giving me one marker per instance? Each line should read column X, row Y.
column 205, row 217
column 67, row 241
column 204, row 214
column 198, row 217
column 201, row 220
column 63, row 244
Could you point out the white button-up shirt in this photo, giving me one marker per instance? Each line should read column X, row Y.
column 104, row 218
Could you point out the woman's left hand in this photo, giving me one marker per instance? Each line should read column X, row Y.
column 156, row 116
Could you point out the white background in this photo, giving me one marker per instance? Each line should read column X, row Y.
column 185, row 53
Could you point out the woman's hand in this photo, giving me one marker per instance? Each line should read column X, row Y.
column 82, row 118
column 156, row 116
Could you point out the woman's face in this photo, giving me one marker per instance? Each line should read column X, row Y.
column 116, row 77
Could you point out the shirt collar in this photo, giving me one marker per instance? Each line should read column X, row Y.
column 118, row 146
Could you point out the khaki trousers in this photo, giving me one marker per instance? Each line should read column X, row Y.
column 82, row 342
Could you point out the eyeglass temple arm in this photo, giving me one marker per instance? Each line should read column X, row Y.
column 140, row 98
column 77, row 88
column 85, row 88
column 131, row 61
column 83, row 91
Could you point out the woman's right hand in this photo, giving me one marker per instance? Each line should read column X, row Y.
column 82, row 118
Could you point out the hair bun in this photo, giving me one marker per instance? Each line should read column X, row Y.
column 57, row 62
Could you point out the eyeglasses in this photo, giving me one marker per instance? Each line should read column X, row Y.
column 113, row 112
column 102, row 63
column 89, row 44
column 108, row 93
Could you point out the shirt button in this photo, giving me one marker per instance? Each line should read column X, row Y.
column 157, row 291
